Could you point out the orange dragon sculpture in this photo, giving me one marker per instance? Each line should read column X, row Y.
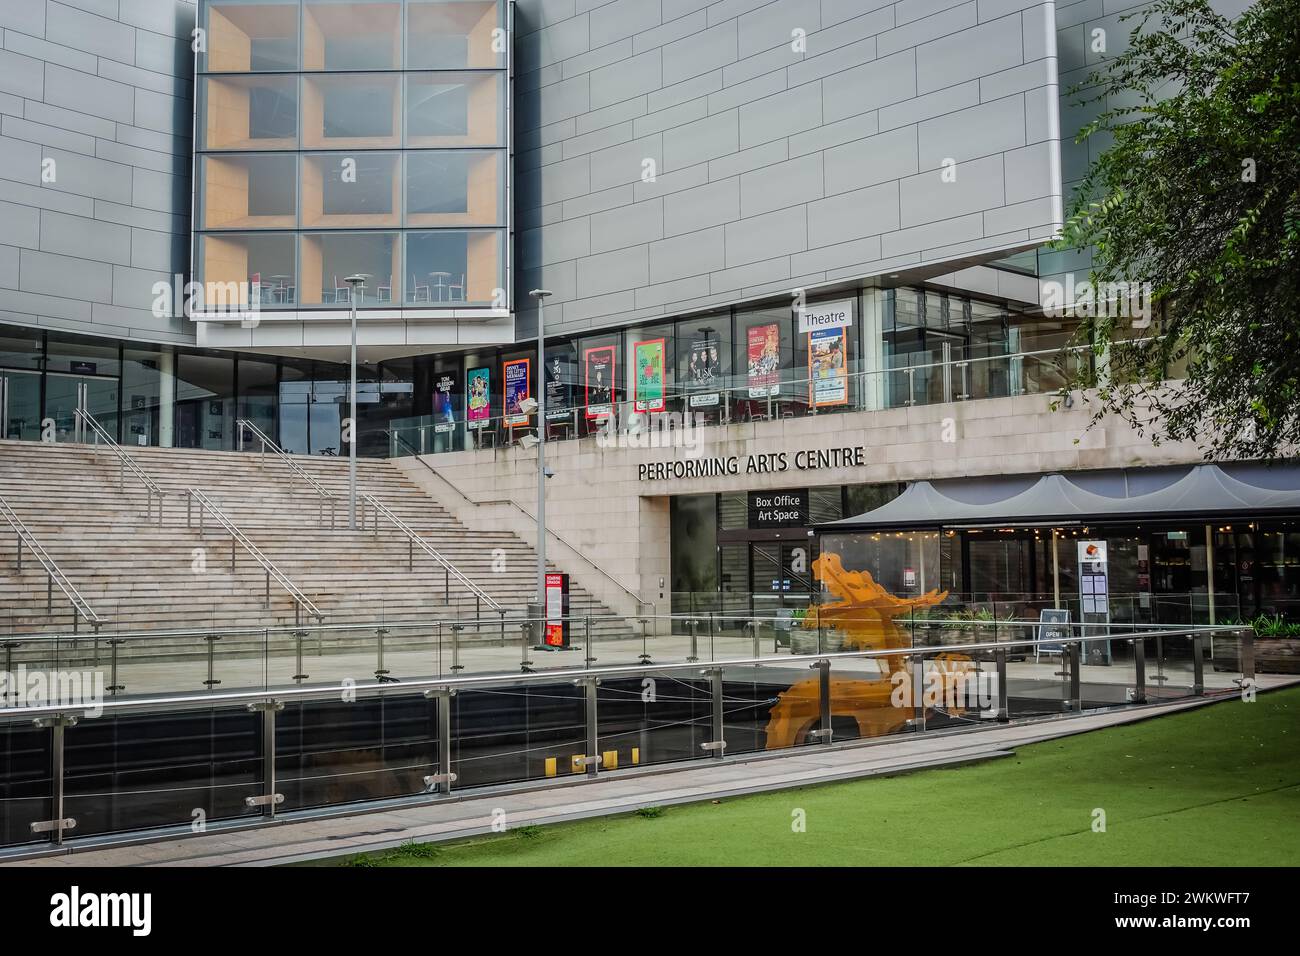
column 864, row 613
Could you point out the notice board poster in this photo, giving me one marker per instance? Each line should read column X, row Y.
column 557, row 391
column 828, row 380
column 515, row 377
column 557, row 611
column 478, row 397
column 763, row 354
column 648, row 380
column 598, row 380
column 704, row 373
column 444, row 402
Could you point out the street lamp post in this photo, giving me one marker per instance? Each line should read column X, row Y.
column 540, row 295
column 355, row 283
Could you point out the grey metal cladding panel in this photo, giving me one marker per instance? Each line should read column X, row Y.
column 627, row 226
column 775, row 24
column 86, row 31
column 21, row 75
column 622, row 81
column 85, row 238
column 774, row 164
column 792, row 183
column 890, row 79
column 47, row 274
column 770, row 234
column 25, row 15
column 979, row 51
column 22, row 225
column 623, row 18
column 702, row 53
column 929, row 197
column 702, row 140
column 712, row 204
column 696, row 253
column 970, row 133
column 781, row 115
column 84, row 93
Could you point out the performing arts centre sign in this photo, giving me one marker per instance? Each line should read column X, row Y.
column 770, row 463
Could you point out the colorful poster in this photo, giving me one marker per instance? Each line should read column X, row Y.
column 478, row 397
column 515, row 377
column 704, row 373
column 558, row 378
column 648, row 383
column 764, row 360
column 598, row 380
column 444, row 402
column 828, row 381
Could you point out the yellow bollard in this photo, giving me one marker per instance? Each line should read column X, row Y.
column 636, row 755
column 576, row 765
column 550, row 766
column 609, row 760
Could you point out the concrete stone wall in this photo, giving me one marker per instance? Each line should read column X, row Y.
column 96, row 93
column 620, row 524
column 774, row 165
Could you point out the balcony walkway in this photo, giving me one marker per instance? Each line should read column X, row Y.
column 579, row 798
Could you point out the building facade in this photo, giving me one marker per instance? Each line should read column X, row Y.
column 773, row 230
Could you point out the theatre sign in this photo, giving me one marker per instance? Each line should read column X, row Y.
column 770, row 463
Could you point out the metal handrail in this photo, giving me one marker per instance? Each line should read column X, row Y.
column 301, row 601
column 413, row 540
column 558, row 675
column 54, row 574
column 640, row 604
column 151, row 487
column 295, row 469
column 681, row 617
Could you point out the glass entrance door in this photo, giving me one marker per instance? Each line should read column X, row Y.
column 64, row 394
column 20, row 405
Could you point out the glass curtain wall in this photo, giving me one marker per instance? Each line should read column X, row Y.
column 338, row 137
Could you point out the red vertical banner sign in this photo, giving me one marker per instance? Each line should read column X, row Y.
column 557, row 611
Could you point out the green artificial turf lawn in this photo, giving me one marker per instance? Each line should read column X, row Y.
column 1219, row 785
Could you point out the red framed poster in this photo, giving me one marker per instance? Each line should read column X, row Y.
column 598, row 380
column 648, row 376
column 515, row 377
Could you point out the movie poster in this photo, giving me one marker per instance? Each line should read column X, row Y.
column 764, row 360
column 478, row 397
column 444, row 402
column 828, row 382
column 598, row 380
column 704, row 373
column 648, row 383
column 557, row 387
column 515, row 377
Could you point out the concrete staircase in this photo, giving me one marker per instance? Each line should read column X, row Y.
column 138, row 574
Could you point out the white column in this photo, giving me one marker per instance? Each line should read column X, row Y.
column 166, row 396
column 873, row 349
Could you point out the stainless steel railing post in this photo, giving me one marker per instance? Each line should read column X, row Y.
column 1139, row 670
column 1198, row 665
column 380, row 671
column 1004, row 708
column 825, row 731
column 1247, row 654
column 1075, row 701
column 695, row 641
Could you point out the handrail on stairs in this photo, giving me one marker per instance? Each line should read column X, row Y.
column 638, row 602
column 295, row 469
column 54, row 574
column 413, row 540
column 207, row 506
column 151, row 487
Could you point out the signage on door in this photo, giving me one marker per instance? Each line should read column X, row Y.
column 778, row 509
